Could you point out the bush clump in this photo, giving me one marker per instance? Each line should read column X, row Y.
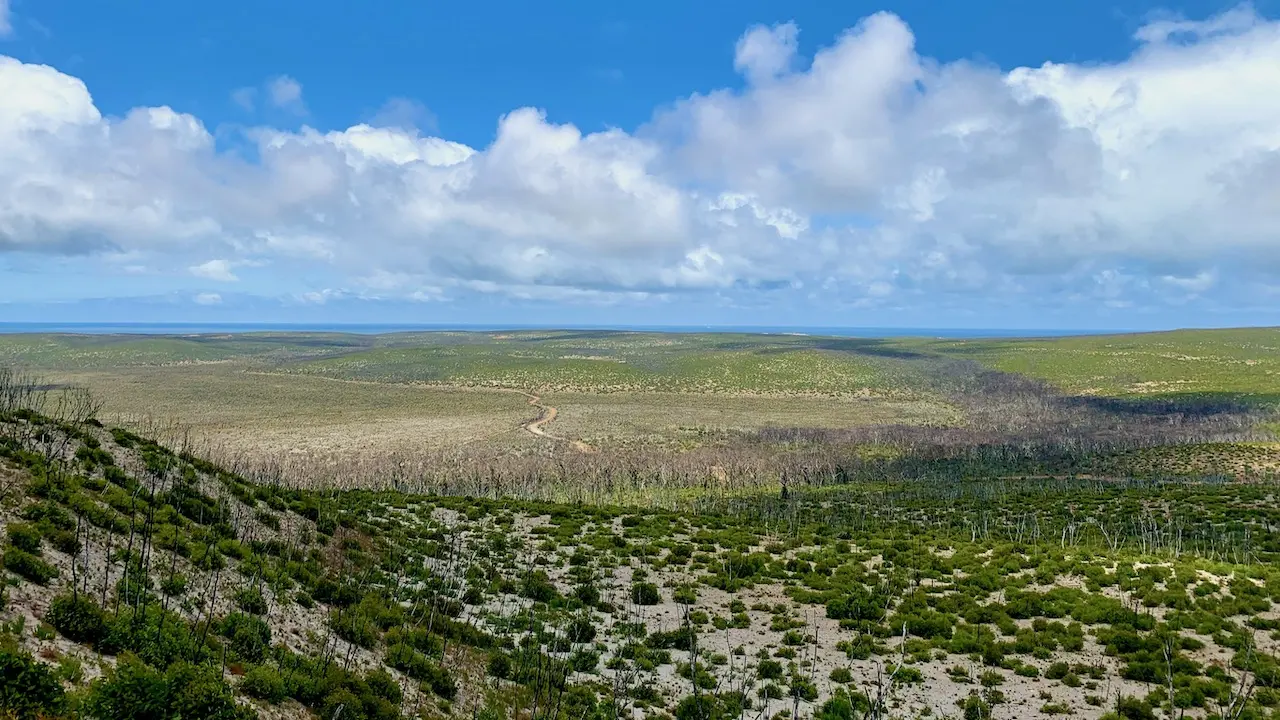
column 500, row 665
column 28, row 688
column 29, row 566
column 136, row 691
column 251, row 601
column 77, row 618
column 24, row 537
column 248, row 636
column 264, row 683
column 644, row 593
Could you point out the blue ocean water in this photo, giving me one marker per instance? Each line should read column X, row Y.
column 375, row 329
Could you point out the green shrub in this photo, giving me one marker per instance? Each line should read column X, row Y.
column 77, row 617
column 131, row 690
column 28, row 688
column 537, row 586
column 174, row 586
column 382, row 685
column 251, row 601
column 975, row 708
column 708, row 706
column 859, row 604
column 584, row 661
column 1028, row 671
column 247, row 635
column 1131, row 708
column 63, row 540
column 24, row 537
column 154, row 635
column 500, row 665
column 843, row 706
column 355, row 627
column 29, row 566
column 134, row 690
column 769, row 670
column 644, row 593
column 441, row 682
column 581, row 630
column 264, row 683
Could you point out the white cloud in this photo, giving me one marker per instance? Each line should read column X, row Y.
column 764, row 53
column 1167, row 159
column 865, row 173
column 320, row 297
column 285, row 92
column 405, row 114
column 245, row 97
column 219, row 270
column 207, row 299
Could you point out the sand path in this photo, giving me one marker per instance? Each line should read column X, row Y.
column 546, row 415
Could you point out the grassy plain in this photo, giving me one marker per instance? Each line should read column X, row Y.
column 229, row 403
column 1236, row 363
column 316, row 393
column 326, row 399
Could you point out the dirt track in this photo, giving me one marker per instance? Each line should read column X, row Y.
column 546, row 415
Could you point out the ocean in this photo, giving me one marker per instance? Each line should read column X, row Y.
column 379, row 329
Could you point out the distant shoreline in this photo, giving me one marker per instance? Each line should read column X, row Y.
column 197, row 328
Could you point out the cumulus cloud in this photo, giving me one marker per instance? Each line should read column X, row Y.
column 207, row 299
column 219, row 270
column 868, row 174
column 764, row 53
column 1167, row 159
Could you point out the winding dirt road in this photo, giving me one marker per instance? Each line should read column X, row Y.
column 546, row 415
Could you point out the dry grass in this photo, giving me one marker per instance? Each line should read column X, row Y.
column 682, row 419
column 276, row 413
column 271, row 414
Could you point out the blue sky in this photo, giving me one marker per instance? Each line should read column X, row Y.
column 807, row 163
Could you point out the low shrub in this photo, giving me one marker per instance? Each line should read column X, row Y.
column 24, row 537
column 247, row 636
column 29, row 566
column 251, row 601
column 28, row 688
column 136, row 691
column 77, row 618
column 264, row 683
column 645, row 594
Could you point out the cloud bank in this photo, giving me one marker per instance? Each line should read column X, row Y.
column 868, row 175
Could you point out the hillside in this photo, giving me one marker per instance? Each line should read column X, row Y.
column 148, row 582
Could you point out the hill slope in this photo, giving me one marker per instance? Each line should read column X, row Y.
column 151, row 583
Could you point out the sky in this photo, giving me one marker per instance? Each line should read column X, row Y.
column 1089, row 164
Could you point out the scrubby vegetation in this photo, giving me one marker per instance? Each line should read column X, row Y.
column 1053, row 554
column 649, row 416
